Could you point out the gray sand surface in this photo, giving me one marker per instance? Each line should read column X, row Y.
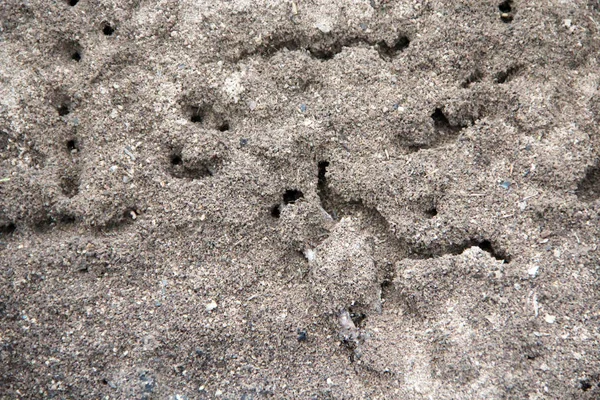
column 326, row 199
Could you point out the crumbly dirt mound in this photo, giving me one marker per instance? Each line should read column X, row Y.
column 299, row 199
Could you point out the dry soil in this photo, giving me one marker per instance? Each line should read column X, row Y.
column 309, row 199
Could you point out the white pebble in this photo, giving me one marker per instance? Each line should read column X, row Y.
column 557, row 253
column 323, row 26
column 310, row 254
column 211, row 306
column 533, row 271
column 550, row 318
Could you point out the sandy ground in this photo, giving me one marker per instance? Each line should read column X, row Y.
column 322, row 199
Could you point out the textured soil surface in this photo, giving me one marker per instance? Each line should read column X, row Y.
column 323, row 199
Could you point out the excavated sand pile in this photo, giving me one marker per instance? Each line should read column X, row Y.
column 299, row 199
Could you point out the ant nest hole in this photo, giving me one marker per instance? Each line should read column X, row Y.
column 505, row 11
column 196, row 114
column 63, row 109
column 176, row 159
column 70, row 50
column 8, row 229
column 72, row 146
column 224, row 127
column 290, row 196
column 431, row 212
column 107, row 29
column 62, row 103
column 276, row 211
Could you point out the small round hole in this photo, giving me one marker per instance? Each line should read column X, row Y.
column 71, row 145
column 290, row 196
column 63, row 110
column 224, row 126
column 486, row 245
column 196, row 114
column 432, row 212
column 585, row 385
column 505, row 7
column 76, row 56
column 276, row 211
column 8, row 228
column 108, row 30
column 439, row 118
column 73, row 3
column 176, row 159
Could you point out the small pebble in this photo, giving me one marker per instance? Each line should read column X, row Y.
column 557, row 253
column 310, row 254
column 323, row 26
column 550, row 319
column 505, row 185
column 533, row 271
column 303, row 107
column 243, row 142
column 302, row 337
column 211, row 306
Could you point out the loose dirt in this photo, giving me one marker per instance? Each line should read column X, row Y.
column 299, row 199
